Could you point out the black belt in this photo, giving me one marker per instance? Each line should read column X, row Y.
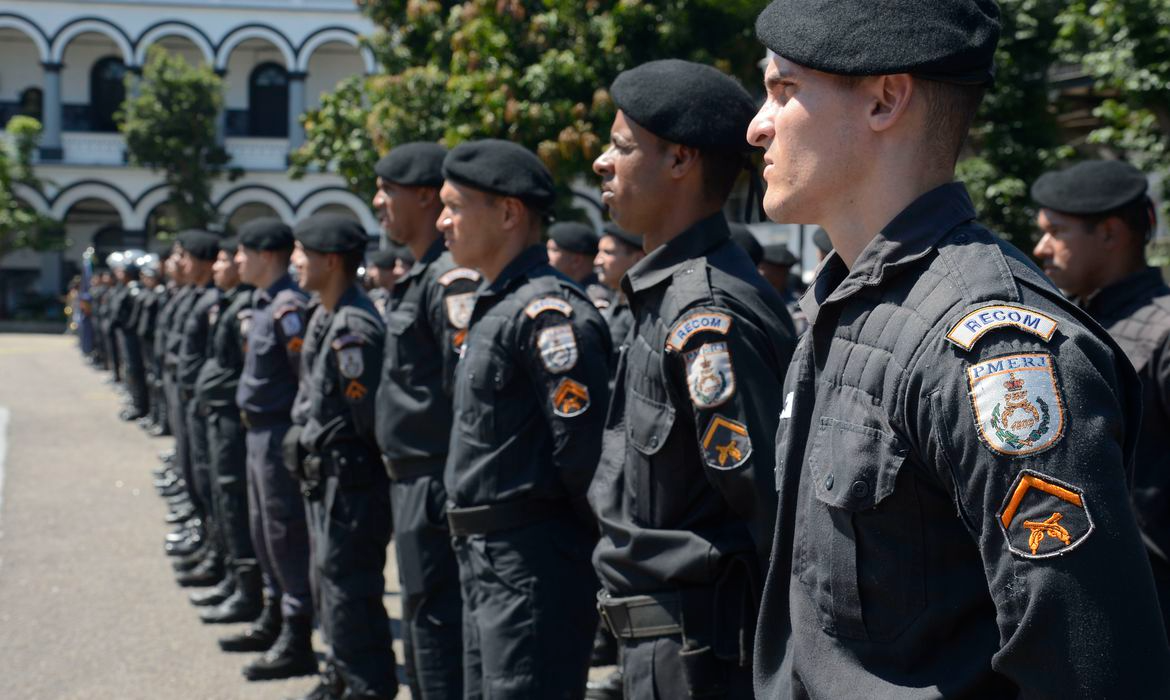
column 641, row 616
column 412, row 468
column 483, row 520
column 257, row 421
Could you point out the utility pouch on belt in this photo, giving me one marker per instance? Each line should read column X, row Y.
column 293, row 453
column 352, row 463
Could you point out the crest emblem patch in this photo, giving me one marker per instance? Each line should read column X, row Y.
column 570, row 398
column 726, row 444
column 459, row 308
column 1043, row 517
column 245, row 319
column 290, row 323
column 1017, row 404
column 558, row 348
column 213, row 315
column 710, row 378
column 350, row 362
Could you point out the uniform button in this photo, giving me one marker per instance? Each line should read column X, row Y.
column 654, row 441
column 860, row 489
column 499, row 377
column 829, row 482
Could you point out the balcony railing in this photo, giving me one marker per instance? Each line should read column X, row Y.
column 251, row 153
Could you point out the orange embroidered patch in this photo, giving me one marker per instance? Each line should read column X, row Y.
column 1049, row 526
column 355, row 391
column 570, row 399
column 726, row 443
column 295, row 345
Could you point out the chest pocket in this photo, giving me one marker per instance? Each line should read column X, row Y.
column 401, row 334
column 861, row 556
column 648, row 425
column 488, row 371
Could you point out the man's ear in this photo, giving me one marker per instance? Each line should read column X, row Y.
column 425, row 196
column 889, row 98
column 682, row 159
column 513, row 212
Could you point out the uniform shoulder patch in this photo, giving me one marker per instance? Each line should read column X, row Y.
column 543, row 304
column 710, row 377
column 694, row 323
column 290, row 324
column 726, row 443
column 558, row 348
column 973, row 326
column 346, row 341
column 460, row 273
column 1017, row 403
column 1042, row 517
column 459, row 308
column 570, row 398
column 350, row 362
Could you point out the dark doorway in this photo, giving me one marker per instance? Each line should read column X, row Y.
column 268, row 101
column 107, row 92
column 32, row 102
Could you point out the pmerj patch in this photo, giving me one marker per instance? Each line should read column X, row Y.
column 710, row 376
column 570, row 398
column 459, row 307
column 1017, row 403
column 558, row 348
column 290, row 323
column 543, row 304
column 726, row 443
column 350, row 362
column 1043, row 517
column 974, row 325
column 695, row 323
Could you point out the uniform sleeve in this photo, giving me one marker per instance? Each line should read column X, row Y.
column 290, row 320
column 357, row 360
column 449, row 312
column 719, row 373
column 1032, row 439
column 567, row 359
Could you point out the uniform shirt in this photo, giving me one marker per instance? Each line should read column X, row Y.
column 598, row 293
column 340, row 366
column 799, row 322
column 619, row 319
column 166, row 317
column 275, row 332
column 530, row 390
column 196, row 331
column 152, row 303
column 124, row 313
column 426, row 324
column 220, row 375
column 1136, row 312
column 952, row 456
column 686, row 472
column 177, row 329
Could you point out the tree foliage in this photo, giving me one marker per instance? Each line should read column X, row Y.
column 21, row 226
column 169, row 122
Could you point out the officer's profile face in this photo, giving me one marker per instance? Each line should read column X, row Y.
column 1070, row 252
column 312, row 268
column 470, row 224
column 224, row 272
column 635, row 176
column 390, row 202
column 613, row 260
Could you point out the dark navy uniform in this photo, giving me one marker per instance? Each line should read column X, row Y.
column 351, row 523
column 149, row 310
column 124, row 320
column 529, row 393
column 619, row 319
column 173, row 344
column 192, row 355
column 683, row 491
column 426, row 325
column 952, row 466
column 275, row 328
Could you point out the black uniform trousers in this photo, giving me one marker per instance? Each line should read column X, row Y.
column 428, row 574
column 178, row 419
column 529, row 613
column 351, row 527
column 134, row 370
column 229, row 482
column 199, row 458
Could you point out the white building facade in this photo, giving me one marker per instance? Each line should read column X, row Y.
column 65, row 62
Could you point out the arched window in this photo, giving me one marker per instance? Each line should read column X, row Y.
column 268, row 101
column 107, row 92
column 32, row 102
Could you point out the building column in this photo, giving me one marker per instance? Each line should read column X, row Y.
column 51, row 113
column 296, row 107
column 221, row 117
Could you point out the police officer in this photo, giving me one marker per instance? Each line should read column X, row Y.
column 529, row 392
column 274, row 332
column 113, row 289
column 572, row 248
column 124, row 321
column 154, row 297
column 775, row 266
column 954, row 446
column 426, row 324
column 1095, row 220
column 683, row 490
column 215, row 394
column 341, row 365
column 383, row 272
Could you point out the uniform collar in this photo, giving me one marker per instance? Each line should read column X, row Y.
column 433, row 252
column 350, row 297
column 267, row 295
column 531, row 257
column 1120, row 294
column 697, row 241
column 909, row 237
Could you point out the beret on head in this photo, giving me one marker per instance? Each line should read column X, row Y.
column 778, row 254
column 200, row 244
column 1090, row 187
column 574, row 237
column 821, row 240
column 331, row 233
column 502, row 168
column 384, row 258
column 631, row 239
column 950, row 41
column 266, row 233
column 747, row 240
column 418, row 164
column 686, row 103
column 229, row 245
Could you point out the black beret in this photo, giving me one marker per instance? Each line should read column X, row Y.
column 686, row 103
column 331, row 233
column 946, row 40
column 200, row 244
column 1090, row 187
column 384, row 258
column 574, row 237
column 631, row 239
column 503, row 168
column 778, row 254
column 266, row 233
column 229, row 245
column 821, row 240
column 418, row 164
column 747, row 240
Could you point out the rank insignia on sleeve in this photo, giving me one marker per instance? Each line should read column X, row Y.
column 1017, row 404
column 290, row 323
column 543, row 304
column 296, row 344
column 459, row 273
column 699, row 322
column 710, row 378
column 1042, row 517
column 459, row 307
column 726, row 444
column 979, row 322
column 558, row 348
column 459, row 339
column 355, row 391
column 570, row 398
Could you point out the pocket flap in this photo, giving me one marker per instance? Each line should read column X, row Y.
column 854, row 467
column 648, row 423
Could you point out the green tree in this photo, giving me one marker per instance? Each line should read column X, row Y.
column 170, row 126
column 21, row 226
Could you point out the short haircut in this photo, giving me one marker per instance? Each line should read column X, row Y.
column 950, row 110
column 1137, row 216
